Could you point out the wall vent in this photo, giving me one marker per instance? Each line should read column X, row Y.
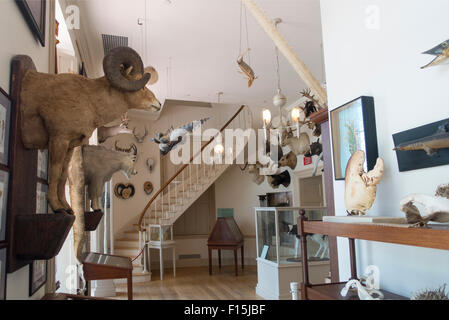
column 189, row 256
column 110, row 42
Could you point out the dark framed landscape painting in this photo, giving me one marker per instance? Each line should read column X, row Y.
column 34, row 12
column 353, row 127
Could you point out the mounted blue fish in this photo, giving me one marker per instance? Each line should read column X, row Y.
column 441, row 52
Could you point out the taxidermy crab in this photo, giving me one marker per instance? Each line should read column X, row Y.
column 361, row 187
column 441, row 52
column 246, row 69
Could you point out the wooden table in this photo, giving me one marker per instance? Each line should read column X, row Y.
column 220, row 247
column 100, row 266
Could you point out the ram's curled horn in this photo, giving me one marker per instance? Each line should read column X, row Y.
column 154, row 75
column 134, row 79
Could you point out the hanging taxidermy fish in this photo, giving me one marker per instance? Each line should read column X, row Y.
column 124, row 191
column 441, row 53
column 246, row 69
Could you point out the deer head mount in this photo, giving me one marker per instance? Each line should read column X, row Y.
column 132, row 148
column 106, row 132
column 140, row 139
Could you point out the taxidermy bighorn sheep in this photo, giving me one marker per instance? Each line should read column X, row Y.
column 361, row 187
column 60, row 112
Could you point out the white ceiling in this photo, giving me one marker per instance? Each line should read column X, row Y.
column 201, row 39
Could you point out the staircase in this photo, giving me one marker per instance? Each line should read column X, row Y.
column 189, row 182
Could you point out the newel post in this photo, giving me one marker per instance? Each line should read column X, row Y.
column 305, row 267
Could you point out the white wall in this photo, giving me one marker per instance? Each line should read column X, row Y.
column 18, row 39
column 385, row 63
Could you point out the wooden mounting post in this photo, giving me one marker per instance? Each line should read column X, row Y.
column 304, row 73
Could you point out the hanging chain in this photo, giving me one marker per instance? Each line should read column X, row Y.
column 247, row 34
column 278, row 75
column 247, row 38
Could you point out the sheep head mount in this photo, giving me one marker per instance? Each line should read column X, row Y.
column 361, row 187
column 60, row 112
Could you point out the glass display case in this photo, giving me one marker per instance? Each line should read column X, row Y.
column 276, row 230
column 279, row 250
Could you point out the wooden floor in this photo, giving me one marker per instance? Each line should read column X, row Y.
column 196, row 283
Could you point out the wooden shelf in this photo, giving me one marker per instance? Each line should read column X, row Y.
column 436, row 237
column 331, row 291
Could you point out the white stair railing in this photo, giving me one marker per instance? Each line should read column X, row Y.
column 190, row 180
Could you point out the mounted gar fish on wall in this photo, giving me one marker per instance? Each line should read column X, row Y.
column 423, row 147
column 441, row 53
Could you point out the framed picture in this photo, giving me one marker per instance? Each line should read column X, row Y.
column 42, row 164
column 34, row 12
column 5, row 120
column 4, row 182
column 264, row 252
column 3, row 273
column 353, row 128
column 41, row 198
column 38, row 275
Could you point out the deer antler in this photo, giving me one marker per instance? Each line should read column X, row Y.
column 307, row 93
column 140, row 139
column 125, row 121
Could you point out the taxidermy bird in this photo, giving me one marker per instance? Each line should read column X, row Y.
column 173, row 137
column 441, row 52
column 436, row 207
column 361, row 187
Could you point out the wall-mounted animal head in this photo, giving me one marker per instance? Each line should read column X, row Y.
column 124, row 70
column 124, row 190
column 148, row 187
column 299, row 145
column 140, row 139
column 289, row 160
column 316, row 149
column 254, row 170
column 150, row 164
column 276, row 181
column 99, row 164
column 61, row 111
column 107, row 132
